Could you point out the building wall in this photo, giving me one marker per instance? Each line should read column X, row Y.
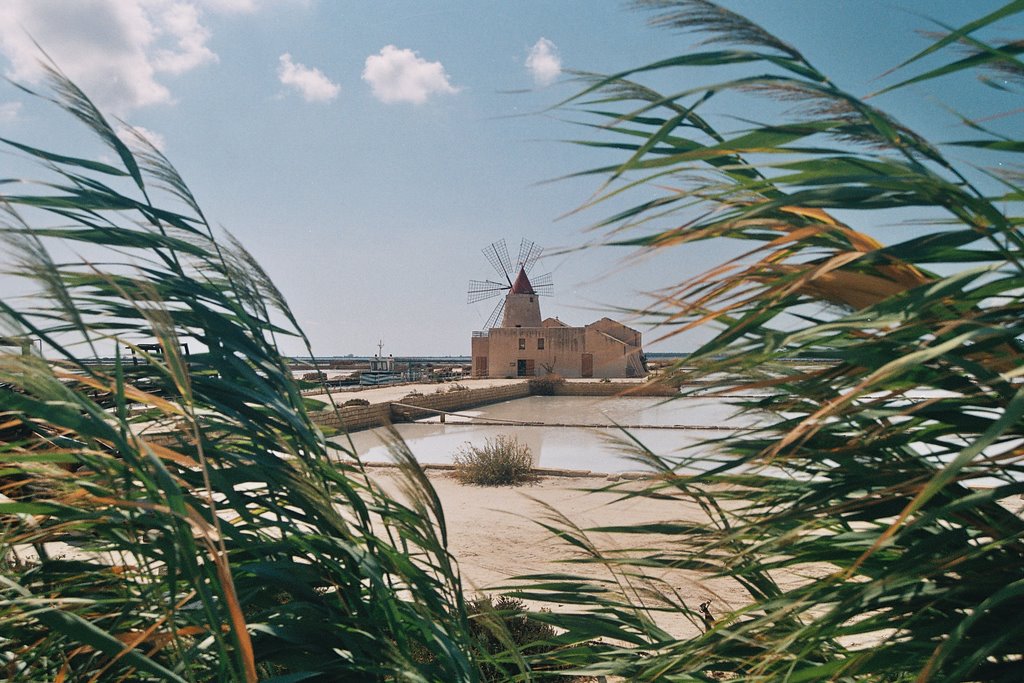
column 616, row 329
column 562, row 353
column 479, row 353
column 521, row 310
column 611, row 356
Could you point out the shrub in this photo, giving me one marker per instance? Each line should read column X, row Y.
column 356, row 402
column 501, row 461
column 907, row 498
column 179, row 572
column 504, row 634
column 546, row 385
column 496, row 623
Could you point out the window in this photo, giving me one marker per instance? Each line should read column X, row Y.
column 522, row 343
column 540, row 343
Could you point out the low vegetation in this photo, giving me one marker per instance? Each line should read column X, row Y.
column 872, row 293
column 237, row 547
column 501, row 461
column 497, row 623
column 246, row 551
column 545, row 385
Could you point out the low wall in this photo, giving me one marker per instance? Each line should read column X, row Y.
column 355, row 418
column 613, row 389
column 454, row 401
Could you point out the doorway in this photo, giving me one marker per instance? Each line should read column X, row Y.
column 587, row 365
column 524, row 368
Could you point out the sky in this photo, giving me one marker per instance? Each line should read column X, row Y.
column 365, row 152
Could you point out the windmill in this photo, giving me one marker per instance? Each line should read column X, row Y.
column 513, row 279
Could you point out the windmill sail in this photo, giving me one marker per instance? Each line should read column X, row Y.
column 497, row 254
column 514, row 277
column 480, row 290
column 495, row 316
column 529, row 252
column 543, row 285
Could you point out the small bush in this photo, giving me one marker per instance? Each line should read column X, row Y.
column 501, row 461
column 458, row 387
column 507, row 616
column 356, row 402
column 545, row 385
column 494, row 624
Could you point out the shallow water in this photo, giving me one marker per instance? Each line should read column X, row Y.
column 663, row 427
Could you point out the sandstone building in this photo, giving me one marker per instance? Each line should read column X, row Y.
column 526, row 346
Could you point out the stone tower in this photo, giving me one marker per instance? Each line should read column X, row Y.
column 522, row 305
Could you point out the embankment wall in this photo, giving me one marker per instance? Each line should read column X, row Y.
column 454, row 401
column 612, row 389
column 355, row 418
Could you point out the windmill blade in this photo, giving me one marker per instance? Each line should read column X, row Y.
column 492, row 319
column 529, row 252
column 497, row 254
column 484, row 289
column 543, row 285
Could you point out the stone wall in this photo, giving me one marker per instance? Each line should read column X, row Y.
column 454, row 401
column 613, row 389
column 355, row 418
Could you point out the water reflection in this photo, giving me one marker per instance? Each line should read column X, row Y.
column 651, row 421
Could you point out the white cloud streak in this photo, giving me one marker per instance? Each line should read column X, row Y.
column 180, row 21
column 9, row 111
column 400, row 75
column 311, row 83
column 114, row 49
column 544, row 62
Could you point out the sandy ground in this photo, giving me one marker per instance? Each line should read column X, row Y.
column 494, row 534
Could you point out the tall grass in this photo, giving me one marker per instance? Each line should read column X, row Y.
column 182, row 518
column 891, row 473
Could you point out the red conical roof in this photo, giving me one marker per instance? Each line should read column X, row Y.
column 522, row 284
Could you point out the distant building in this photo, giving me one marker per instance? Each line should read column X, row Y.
column 526, row 346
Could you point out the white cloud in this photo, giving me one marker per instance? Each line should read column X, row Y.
column 544, row 62
column 113, row 49
column 180, row 22
column 9, row 111
column 231, row 6
column 400, row 75
column 311, row 83
column 246, row 6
